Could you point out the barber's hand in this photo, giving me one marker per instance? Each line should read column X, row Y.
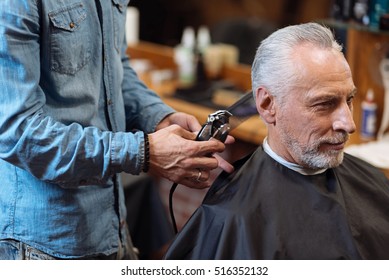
column 175, row 155
column 190, row 123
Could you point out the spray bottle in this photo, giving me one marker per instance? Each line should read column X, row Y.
column 369, row 116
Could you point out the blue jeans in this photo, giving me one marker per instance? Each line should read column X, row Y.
column 11, row 249
column 15, row 250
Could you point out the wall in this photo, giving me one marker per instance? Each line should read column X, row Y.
column 162, row 21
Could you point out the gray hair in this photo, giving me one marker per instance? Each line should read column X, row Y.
column 273, row 67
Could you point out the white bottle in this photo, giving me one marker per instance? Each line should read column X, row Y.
column 184, row 56
column 369, row 116
column 203, row 39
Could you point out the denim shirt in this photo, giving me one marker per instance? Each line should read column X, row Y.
column 71, row 112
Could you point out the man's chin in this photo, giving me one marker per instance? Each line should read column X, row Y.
column 334, row 159
column 328, row 160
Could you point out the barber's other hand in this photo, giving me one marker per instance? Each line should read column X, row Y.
column 184, row 120
column 176, row 156
column 187, row 122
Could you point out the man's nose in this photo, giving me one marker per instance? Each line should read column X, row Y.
column 344, row 120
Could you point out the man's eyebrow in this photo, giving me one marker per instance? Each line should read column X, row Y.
column 326, row 96
column 353, row 92
column 331, row 95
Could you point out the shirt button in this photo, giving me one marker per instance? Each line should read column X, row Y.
column 110, row 102
column 71, row 25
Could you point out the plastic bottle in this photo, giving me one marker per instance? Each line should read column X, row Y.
column 369, row 116
column 185, row 57
column 376, row 9
column 361, row 11
column 342, row 9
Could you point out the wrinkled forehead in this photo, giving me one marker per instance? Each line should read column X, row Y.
column 318, row 71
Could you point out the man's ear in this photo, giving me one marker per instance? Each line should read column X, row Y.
column 265, row 105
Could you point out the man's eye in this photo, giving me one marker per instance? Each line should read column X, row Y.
column 326, row 104
column 350, row 100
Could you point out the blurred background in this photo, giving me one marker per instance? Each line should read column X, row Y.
column 230, row 21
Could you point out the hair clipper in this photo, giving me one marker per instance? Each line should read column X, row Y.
column 217, row 126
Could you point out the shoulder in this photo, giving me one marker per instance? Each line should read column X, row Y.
column 229, row 183
column 351, row 161
column 360, row 170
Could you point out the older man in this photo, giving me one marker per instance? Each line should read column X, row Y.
column 298, row 196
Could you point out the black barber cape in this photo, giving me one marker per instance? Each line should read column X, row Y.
column 264, row 210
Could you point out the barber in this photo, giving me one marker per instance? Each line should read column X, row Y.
column 73, row 115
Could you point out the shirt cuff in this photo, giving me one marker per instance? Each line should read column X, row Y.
column 127, row 152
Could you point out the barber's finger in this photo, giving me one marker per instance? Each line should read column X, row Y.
column 178, row 130
column 200, row 175
column 210, row 163
column 202, row 162
column 193, row 124
column 223, row 164
column 207, row 148
column 230, row 140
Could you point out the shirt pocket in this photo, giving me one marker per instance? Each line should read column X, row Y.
column 70, row 46
column 119, row 19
